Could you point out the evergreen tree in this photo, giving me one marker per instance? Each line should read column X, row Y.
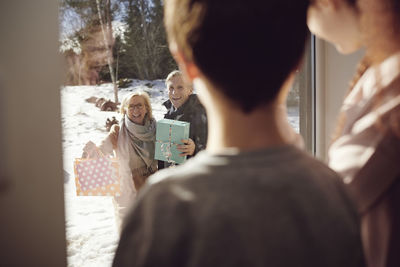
column 143, row 54
column 146, row 52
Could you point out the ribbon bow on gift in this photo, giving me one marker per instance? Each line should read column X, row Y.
column 166, row 146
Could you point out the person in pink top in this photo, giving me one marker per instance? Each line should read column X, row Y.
column 366, row 147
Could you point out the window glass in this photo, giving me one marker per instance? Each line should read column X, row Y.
column 300, row 103
column 111, row 49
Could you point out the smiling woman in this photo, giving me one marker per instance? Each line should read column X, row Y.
column 133, row 142
column 137, row 108
column 366, row 149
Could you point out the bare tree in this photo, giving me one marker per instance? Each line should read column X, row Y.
column 108, row 40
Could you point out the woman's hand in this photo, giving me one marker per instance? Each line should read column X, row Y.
column 89, row 150
column 187, row 148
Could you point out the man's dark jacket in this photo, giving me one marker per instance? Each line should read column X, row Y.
column 191, row 111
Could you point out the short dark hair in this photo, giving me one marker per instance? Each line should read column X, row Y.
column 247, row 48
column 352, row 2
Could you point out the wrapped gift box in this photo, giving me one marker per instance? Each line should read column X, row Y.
column 169, row 134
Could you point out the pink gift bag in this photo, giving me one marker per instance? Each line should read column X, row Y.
column 97, row 176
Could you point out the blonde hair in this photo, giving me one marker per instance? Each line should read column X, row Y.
column 178, row 73
column 142, row 94
column 173, row 74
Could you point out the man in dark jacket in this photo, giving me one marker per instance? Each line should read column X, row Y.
column 185, row 106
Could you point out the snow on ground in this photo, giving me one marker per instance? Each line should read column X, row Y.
column 90, row 224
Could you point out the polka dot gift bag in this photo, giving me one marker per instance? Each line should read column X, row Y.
column 97, row 176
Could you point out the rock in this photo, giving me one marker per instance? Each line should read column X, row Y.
column 91, row 99
column 100, row 101
column 108, row 106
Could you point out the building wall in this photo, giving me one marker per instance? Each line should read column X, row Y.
column 333, row 74
column 31, row 184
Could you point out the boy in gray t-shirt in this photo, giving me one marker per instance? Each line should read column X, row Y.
column 251, row 198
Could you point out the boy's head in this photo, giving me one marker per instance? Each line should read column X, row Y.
column 246, row 48
column 178, row 90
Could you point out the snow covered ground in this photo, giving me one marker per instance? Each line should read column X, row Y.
column 90, row 225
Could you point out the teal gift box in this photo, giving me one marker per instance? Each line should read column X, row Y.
column 169, row 134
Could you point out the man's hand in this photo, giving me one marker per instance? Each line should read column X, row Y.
column 187, row 148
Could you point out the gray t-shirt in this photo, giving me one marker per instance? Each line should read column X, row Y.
column 272, row 207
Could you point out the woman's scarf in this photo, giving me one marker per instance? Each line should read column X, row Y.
column 136, row 143
column 373, row 101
